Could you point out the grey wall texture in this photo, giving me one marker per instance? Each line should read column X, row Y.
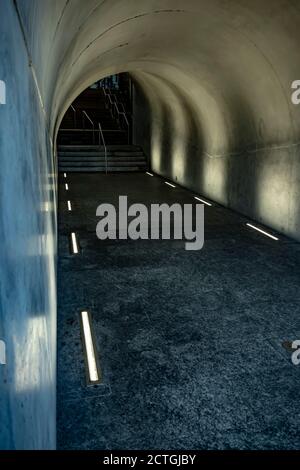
column 217, row 78
column 257, row 180
column 250, row 164
column 217, row 75
column 28, row 247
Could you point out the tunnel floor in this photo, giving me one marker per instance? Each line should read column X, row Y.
column 190, row 343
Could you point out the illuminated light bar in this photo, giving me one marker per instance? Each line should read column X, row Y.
column 2, row 92
column 93, row 371
column 150, row 174
column 170, row 184
column 69, row 206
column 75, row 249
column 2, row 352
column 67, row 187
column 202, row 200
column 65, row 175
column 263, row 232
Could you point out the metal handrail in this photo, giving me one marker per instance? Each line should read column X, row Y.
column 104, row 145
column 118, row 112
column 74, row 111
column 114, row 104
column 85, row 114
column 110, row 101
column 125, row 117
column 127, row 123
column 122, row 105
column 122, row 113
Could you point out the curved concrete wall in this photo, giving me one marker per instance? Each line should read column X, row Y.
column 217, row 79
column 218, row 75
column 27, row 253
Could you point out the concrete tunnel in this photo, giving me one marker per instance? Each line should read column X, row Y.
column 212, row 110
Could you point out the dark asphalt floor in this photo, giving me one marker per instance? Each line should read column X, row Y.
column 190, row 343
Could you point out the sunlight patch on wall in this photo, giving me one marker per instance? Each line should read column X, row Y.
column 272, row 190
column 215, row 179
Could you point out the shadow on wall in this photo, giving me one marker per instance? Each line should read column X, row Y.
column 170, row 135
column 240, row 186
column 257, row 181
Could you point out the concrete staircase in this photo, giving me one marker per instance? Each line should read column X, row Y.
column 91, row 158
column 78, row 136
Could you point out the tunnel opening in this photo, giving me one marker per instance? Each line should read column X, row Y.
column 106, row 102
column 96, row 132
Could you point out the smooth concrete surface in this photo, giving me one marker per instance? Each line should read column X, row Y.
column 27, row 253
column 255, row 180
column 189, row 343
column 218, row 78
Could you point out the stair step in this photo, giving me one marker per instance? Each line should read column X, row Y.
column 91, row 164
column 102, row 169
column 125, row 154
column 85, row 155
column 76, row 156
column 83, row 148
column 101, row 159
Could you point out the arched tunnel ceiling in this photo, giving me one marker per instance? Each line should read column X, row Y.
column 231, row 61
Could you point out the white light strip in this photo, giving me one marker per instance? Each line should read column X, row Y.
column 2, row 92
column 69, row 206
column 172, row 185
column 67, row 187
column 65, row 175
column 150, row 174
column 262, row 231
column 74, row 243
column 201, row 200
column 89, row 347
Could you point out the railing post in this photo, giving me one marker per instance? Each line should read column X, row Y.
column 85, row 115
column 105, row 150
column 74, row 115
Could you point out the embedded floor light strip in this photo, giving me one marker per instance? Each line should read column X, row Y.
column 93, row 370
column 2, row 352
column 67, row 187
column 75, row 249
column 65, row 175
column 2, row 92
column 69, row 206
column 263, row 232
column 202, row 200
column 150, row 174
column 170, row 184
